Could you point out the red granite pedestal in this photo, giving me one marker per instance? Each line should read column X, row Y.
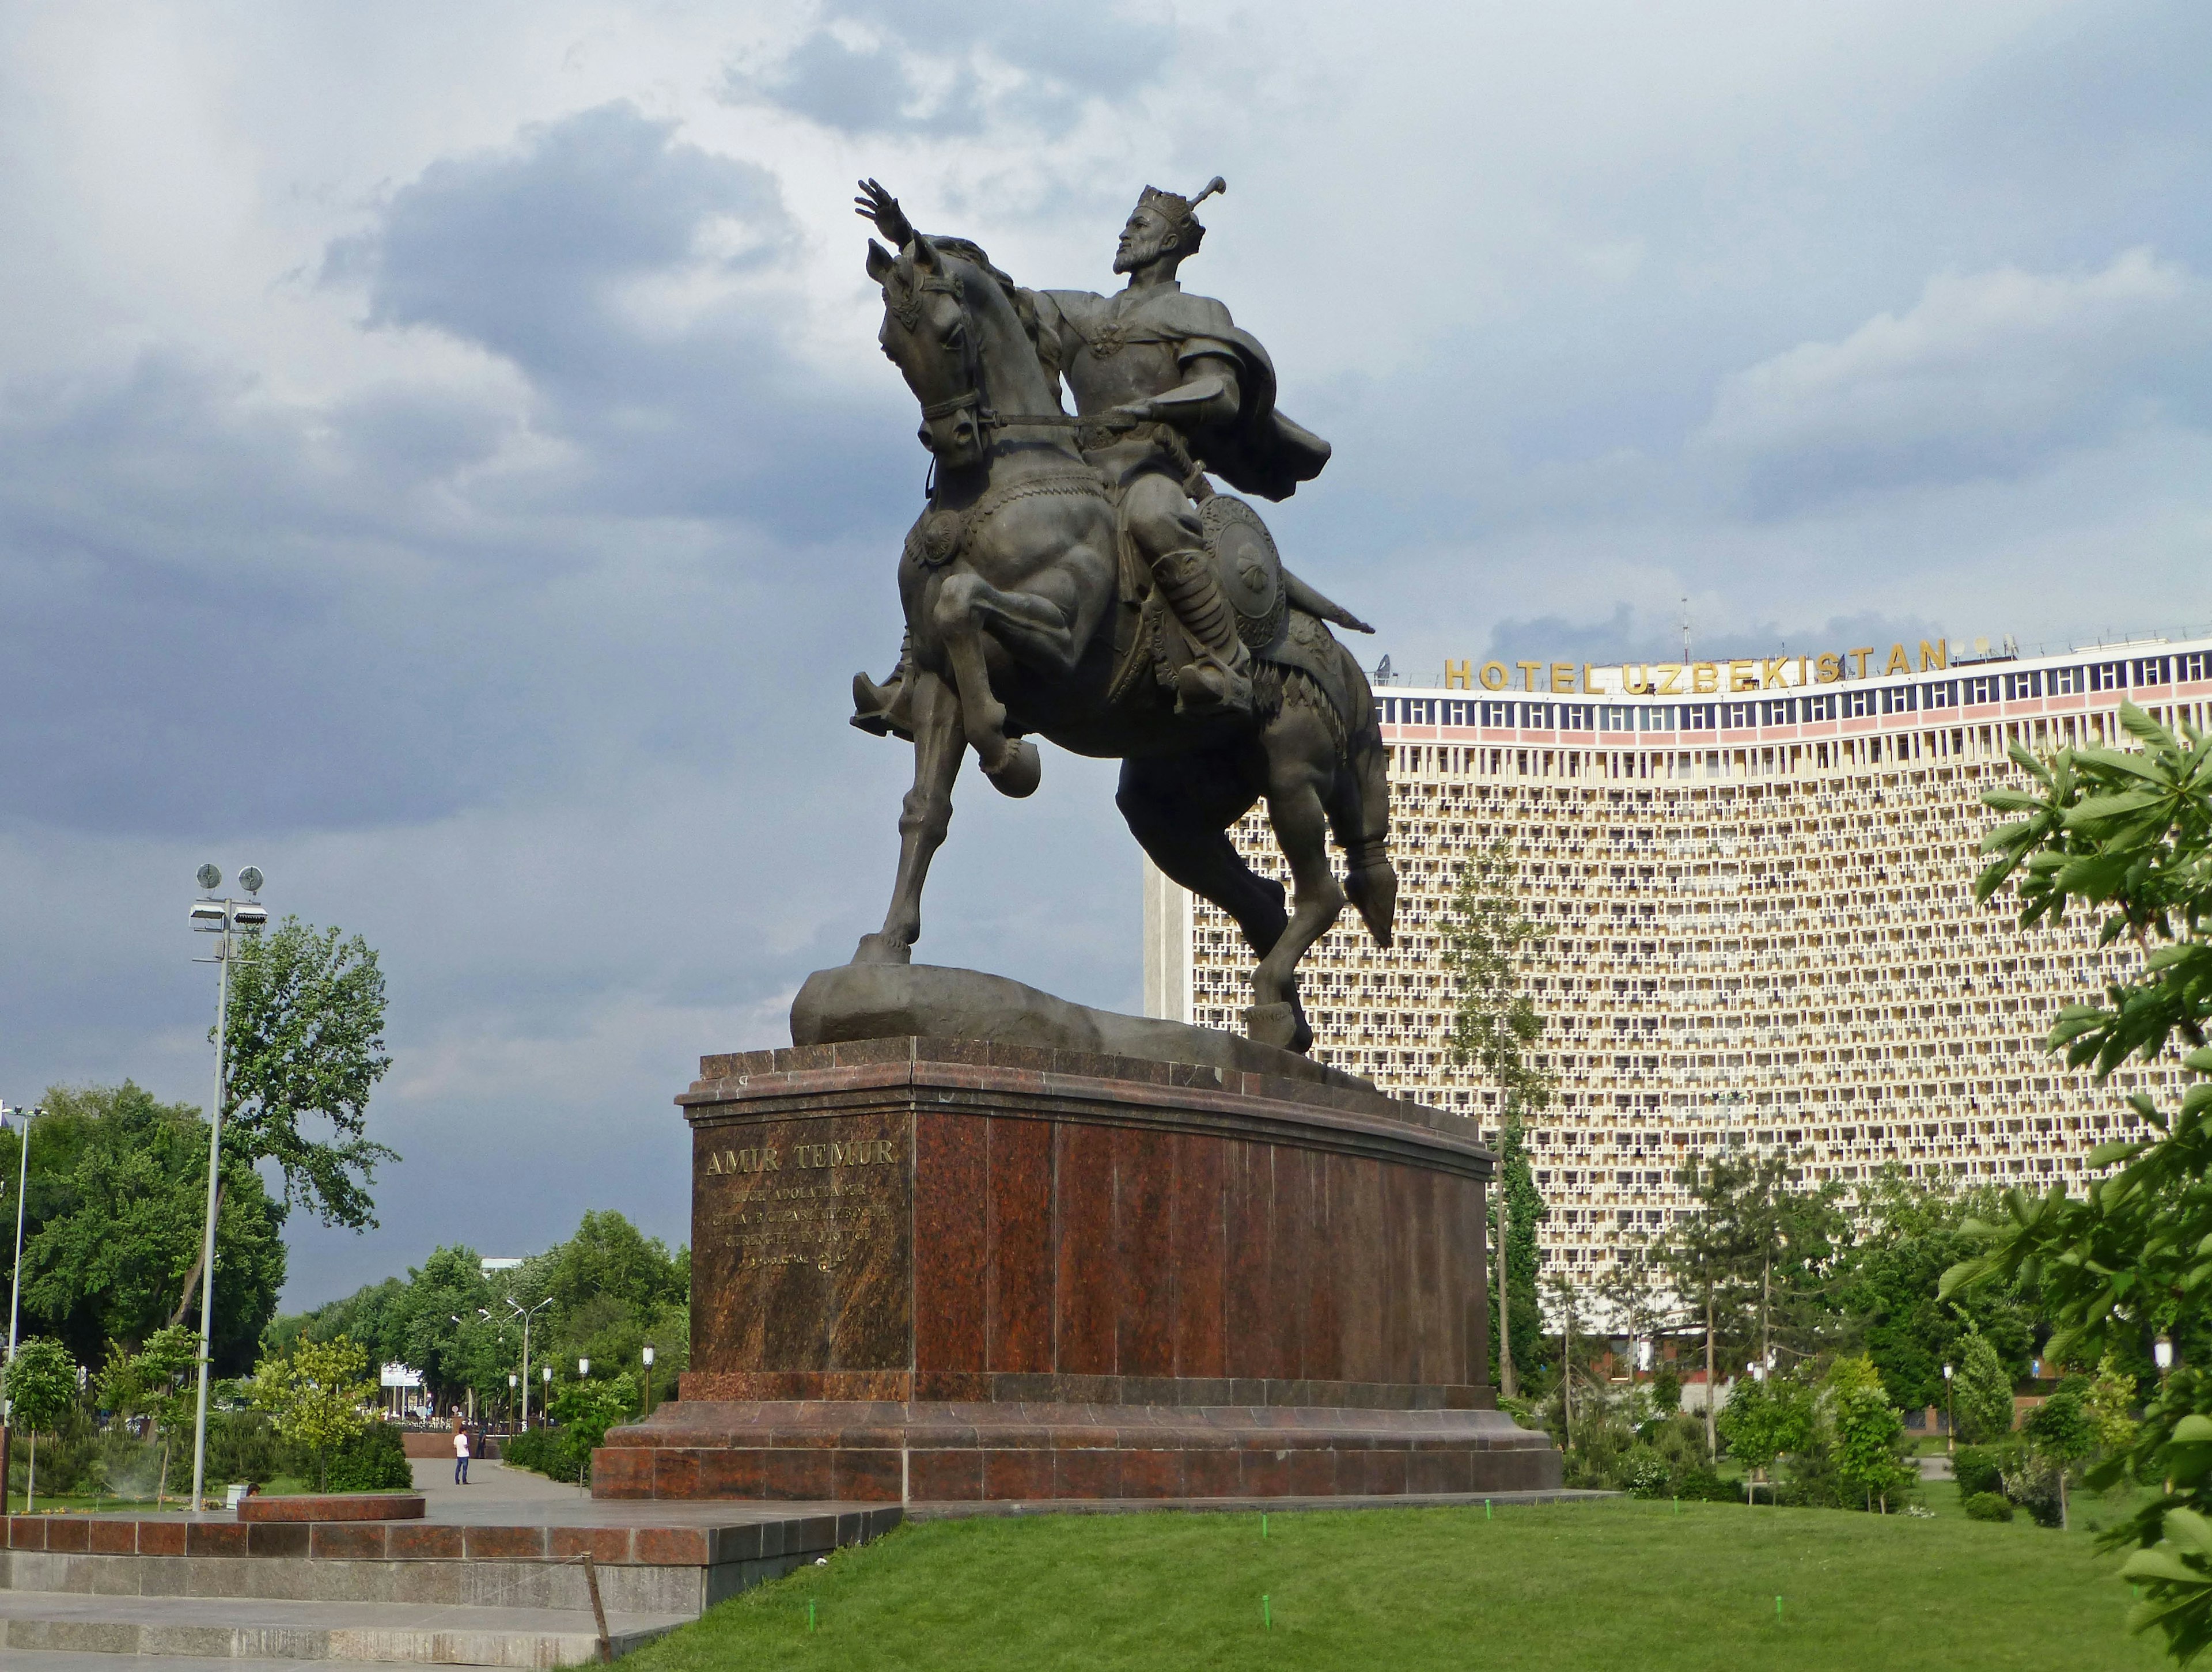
column 944, row 1270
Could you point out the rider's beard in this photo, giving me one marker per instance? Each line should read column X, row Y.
column 1133, row 255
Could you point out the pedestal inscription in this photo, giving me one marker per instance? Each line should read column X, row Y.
column 803, row 1246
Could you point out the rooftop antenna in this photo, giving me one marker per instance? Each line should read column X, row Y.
column 1685, row 631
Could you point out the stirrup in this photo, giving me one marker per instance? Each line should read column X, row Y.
column 1211, row 686
column 878, row 709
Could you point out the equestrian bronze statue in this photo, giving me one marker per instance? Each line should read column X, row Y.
column 1076, row 577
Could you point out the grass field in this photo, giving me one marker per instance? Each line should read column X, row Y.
column 1539, row 1587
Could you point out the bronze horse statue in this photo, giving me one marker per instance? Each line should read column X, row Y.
column 1026, row 614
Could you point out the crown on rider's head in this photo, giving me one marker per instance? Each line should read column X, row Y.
column 1181, row 211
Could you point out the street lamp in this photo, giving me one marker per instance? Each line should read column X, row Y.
column 525, row 1316
column 226, row 918
column 2161, row 1350
column 15, row 1290
column 583, row 1367
column 1950, row 1413
column 647, row 1356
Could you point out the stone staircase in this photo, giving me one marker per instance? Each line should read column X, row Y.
column 76, row 1590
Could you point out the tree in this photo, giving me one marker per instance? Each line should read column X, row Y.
column 1766, row 1417
column 155, row 1383
column 2109, row 1402
column 1908, row 1235
column 304, row 1040
column 1981, row 1391
column 2127, row 833
column 1869, row 1433
column 1495, row 1027
column 315, row 1396
column 115, row 1212
column 40, row 1386
column 586, row 1410
column 2061, row 1433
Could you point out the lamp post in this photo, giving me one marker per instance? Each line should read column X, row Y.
column 512, row 1382
column 647, row 1356
column 515, row 1307
column 227, row 919
column 2161, row 1351
column 16, row 1288
column 1950, row 1414
column 583, row 1367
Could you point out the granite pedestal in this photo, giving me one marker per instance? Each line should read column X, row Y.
column 942, row 1270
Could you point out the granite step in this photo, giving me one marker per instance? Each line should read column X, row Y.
column 235, row 1630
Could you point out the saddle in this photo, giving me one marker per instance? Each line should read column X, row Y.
column 1279, row 617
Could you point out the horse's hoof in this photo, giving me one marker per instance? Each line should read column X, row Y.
column 1273, row 1025
column 1019, row 770
column 880, row 949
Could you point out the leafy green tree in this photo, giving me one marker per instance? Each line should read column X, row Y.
column 1766, row 1417
column 2127, row 833
column 305, row 1041
column 155, row 1382
column 1869, row 1433
column 2110, row 1404
column 115, row 1212
column 586, row 1409
column 1909, row 1235
column 2061, row 1432
column 39, row 1387
column 1981, row 1391
column 315, row 1396
column 1496, row 1026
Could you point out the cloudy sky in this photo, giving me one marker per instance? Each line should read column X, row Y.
column 445, row 461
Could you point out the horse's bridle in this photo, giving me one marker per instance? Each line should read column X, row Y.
column 909, row 310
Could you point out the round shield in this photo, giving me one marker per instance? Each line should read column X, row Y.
column 1250, row 573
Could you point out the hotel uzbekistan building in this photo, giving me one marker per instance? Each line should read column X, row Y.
column 1753, row 882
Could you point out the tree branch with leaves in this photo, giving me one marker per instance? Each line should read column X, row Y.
column 2127, row 833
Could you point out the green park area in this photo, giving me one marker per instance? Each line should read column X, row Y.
column 1530, row 1589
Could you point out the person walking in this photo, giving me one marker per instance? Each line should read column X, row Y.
column 460, row 1455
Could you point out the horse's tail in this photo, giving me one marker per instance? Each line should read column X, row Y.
column 1360, row 811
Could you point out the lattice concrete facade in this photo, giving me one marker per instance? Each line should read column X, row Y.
column 1758, row 923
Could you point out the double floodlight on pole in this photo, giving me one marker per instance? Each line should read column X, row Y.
column 228, row 919
column 514, row 1307
column 16, row 1288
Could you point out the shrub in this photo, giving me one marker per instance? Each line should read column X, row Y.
column 1645, row 1474
column 1701, row 1484
column 1979, row 1469
column 1988, row 1506
column 542, row 1450
column 242, row 1446
column 374, row 1460
column 2034, row 1484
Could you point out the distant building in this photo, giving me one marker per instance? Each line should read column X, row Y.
column 491, row 1263
column 1755, row 882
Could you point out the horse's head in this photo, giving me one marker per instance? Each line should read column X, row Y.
column 929, row 335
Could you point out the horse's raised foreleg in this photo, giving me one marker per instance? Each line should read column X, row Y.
column 967, row 608
column 923, row 817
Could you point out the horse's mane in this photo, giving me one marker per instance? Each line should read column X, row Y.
column 1046, row 344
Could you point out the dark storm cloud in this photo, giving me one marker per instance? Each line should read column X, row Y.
column 389, row 604
column 642, row 286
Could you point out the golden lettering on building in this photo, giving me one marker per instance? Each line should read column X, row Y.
column 1735, row 676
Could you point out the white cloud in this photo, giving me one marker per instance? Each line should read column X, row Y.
column 1986, row 373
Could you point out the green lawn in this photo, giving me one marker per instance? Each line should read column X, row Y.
column 1552, row 1586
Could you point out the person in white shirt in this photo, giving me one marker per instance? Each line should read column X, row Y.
column 460, row 1456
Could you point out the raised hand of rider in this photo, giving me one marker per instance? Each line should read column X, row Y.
column 876, row 204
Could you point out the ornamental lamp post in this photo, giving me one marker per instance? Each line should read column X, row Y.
column 2161, row 1351
column 1950, row 1414
column 25, row 1117
column 583, row 1367
column 647, row 1356
column 226, row 918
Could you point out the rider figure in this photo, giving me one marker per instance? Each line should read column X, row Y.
column 1176, row 391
